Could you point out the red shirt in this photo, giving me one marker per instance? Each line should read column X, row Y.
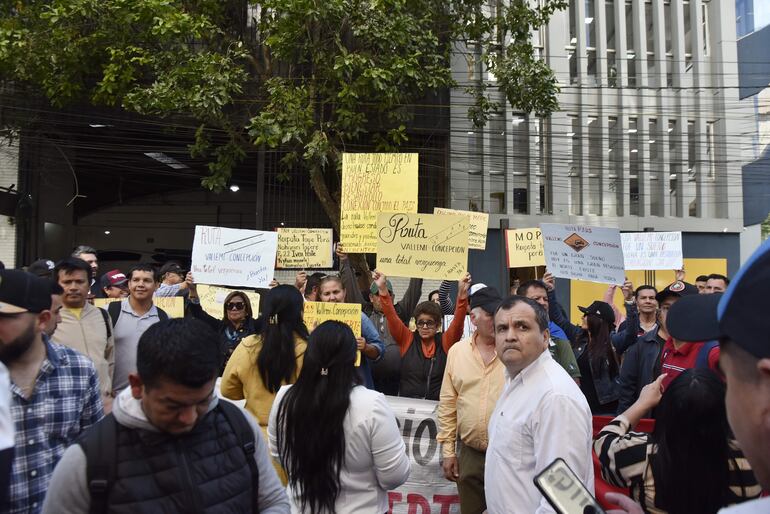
column 674, row 362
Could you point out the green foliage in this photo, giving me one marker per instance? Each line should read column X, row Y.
column 320, row 74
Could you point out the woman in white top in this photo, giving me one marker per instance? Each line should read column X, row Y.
column 338, row 441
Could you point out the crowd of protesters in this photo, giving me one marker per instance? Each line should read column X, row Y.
column 125, row 410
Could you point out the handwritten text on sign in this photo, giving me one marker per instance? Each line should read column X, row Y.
column 212, row 299
column 652, row 250
column 373, row 183
column 426, row 490
column 594, row 254
column 233, row 257
column 422, row 245
column 349, row 313
column 524, row 247
column 304, row 248
column 479, row 222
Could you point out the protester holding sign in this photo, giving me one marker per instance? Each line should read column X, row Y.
column 237, row 320
column 338, row 441
column 331, row 289
column 271, row 358
column 424, row 351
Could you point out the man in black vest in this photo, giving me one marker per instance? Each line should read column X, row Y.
column 170, row 445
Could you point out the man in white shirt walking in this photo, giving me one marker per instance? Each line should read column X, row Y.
column 540, row 416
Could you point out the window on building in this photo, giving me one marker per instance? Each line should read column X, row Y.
column 633, row 166
column 520, row 145
column 609, row 20
column 594, row 166
column 687, row 35
column 655, row 168
column 630, row 48
column 669, row 44
column 615, row 166
column 496, row 164
column 692, row 165
column 570, row 48
column 545, row 169
column 710, row 150
column 705, row 27
column 649, row 21
column 674, row 168
column 574, row 168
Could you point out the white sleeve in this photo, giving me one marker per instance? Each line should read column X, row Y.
column 561, row 428
column 272, row 422
column 6, row 420
column 67, row 491
column 391, row 463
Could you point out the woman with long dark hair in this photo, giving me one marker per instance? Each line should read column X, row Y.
column 690, row 463
column 337, row 440
column 272, row 357
column 237, row 319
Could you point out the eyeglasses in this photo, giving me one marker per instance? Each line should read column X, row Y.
column 425, row 323
column 235, row 306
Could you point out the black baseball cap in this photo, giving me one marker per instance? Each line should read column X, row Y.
column 21, row 291
column 41, row 268
column 678, row 288
column 172, row 267
column 601, row 309
column 739, row 314
column 487, row 298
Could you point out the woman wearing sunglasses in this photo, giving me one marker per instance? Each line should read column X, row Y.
column 424, row 351
column 237, row 320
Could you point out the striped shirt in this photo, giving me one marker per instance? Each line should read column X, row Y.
column 625, row 460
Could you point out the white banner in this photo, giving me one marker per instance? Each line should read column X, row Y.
column 652, row 250
column 468, row 328
column 233, row 257
column 587, row 253
column 426, row 491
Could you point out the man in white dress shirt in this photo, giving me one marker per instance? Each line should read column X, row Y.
column 540, row 416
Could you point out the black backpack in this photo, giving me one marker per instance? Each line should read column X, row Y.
column 115, row 308
column 101, row 464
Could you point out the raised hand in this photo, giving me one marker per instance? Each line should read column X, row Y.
column 549, row 281
column 463, row 285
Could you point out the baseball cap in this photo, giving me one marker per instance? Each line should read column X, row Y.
column 739, row 314
column 172, row 267
column 113, row 278
column 21, row 291
column 487, row 298
column 601, row 309
column 374, row 289
column 677, row 288
column 41, row 268
column 476, row 287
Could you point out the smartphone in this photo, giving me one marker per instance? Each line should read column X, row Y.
column 564, row 490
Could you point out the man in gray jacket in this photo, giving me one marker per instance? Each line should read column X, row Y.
column 170, row 445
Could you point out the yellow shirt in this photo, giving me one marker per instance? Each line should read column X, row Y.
column 469, row 393
column 241, row 378
column 76, row 311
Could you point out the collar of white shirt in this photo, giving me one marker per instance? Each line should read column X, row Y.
column 529, row 370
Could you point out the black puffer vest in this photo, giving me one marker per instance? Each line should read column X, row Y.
column 203, row 471
column 420, row 376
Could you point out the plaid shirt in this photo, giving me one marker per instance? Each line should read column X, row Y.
column 64, row 403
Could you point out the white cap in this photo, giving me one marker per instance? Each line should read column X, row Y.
column 476, row 287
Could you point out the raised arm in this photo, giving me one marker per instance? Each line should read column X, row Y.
column 555, row 313
column 352, row 291
column 455, row 330
column 400, row 332
column 443, row 298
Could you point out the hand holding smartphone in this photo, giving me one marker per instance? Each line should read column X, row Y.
column 564, row 490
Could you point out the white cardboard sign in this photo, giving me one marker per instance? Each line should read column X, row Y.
column 581, row 252
column 652, row 250
column 233, row 257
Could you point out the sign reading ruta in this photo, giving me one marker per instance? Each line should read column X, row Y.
column 652, row 250
column 304, row 248
column 373, row 183
column 422, row 245
column 524, row 247
column 234, row 257
column 479, row 222
column 584, row 253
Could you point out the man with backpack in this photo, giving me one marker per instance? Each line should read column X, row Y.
column 170, row 445
column 131, row 317
column 83, row 327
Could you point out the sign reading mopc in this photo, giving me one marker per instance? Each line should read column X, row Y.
column 587, row 253
column 422, row 245
column 652, row 250
column 524, row 247
column 374, row 183
column 233, row 257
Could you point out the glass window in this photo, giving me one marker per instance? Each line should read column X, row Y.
column 630, row 48
column 594, row 166
column 574, row 172
column 710, row 150
column 655, row 168
column 687, row 35
column 544, row 150
column 705, row 27
column 692, row 140
column 609, row 19
column 649, row 21
column 615, row 166
column 633, row 166
column 590, row 24
column 495, row 164
column 674, row 169
column 520, row 153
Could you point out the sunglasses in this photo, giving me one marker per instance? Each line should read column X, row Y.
column 235, row 306
column 425, row 323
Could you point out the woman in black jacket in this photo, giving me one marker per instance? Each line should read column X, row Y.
column 237, row 319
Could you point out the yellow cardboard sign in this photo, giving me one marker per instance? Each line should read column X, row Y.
column 422, row 245
column 524, row 247
column 348, row 313
column 173, row 305
column 212, row 299
column 479, row 222
column 304, row 248
column 374, row 183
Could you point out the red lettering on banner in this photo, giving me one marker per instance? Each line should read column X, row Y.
column 446, row 501
column 393, row 498
column 417, row 500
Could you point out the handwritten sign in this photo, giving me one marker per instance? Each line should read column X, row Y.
column 348, row 313
column 373, row 183
column 584, row 253
column 234, row 257
column 212, row 299
column 524, row 247
column 422, row 245
column 173, row 305
column 479, row 222
column 304, row 248
column 652, row 250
